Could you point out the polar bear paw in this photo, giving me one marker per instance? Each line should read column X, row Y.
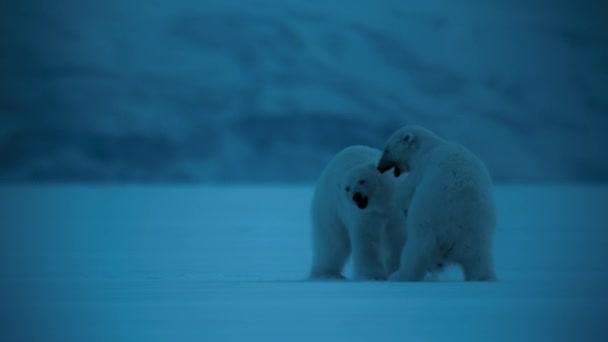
column 370, row 277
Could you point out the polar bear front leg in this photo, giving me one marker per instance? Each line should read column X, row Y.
column 367, row 262
column 331, row 248
column 394, row 240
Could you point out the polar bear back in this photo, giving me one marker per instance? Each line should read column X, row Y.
column 348, row 159
column 456, row 181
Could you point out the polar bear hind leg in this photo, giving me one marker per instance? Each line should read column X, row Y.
column 478, row 265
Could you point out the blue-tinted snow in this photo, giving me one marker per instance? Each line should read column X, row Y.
column 270, row 90
column 227, row 263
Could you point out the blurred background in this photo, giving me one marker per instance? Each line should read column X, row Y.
column 221, row 91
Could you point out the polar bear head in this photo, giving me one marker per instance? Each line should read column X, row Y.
column 404, row 147
column 361, row 185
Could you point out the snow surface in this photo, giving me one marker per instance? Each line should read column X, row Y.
column 128, row 263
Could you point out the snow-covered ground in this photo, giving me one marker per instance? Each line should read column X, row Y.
column 128, row 263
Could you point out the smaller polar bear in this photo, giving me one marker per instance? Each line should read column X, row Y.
column 353, row 214
column 451, row 217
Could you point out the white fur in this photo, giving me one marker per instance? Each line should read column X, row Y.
column 451, row 216
column 373, row 236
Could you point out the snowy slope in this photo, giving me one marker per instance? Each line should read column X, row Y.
column 189, row 90
column 228, row 263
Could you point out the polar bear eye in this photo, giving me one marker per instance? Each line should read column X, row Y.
column 347, row 189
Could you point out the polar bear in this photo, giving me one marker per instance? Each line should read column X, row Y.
column 451, row 216
column 353, row 214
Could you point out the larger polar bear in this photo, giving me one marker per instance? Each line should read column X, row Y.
column 451, row 216
column 353, row 214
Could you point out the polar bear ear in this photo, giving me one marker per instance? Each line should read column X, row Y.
column 408, row 137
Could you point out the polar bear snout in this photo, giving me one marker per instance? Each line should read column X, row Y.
column 361, row 200
column 386, row 164
column 396, row 169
